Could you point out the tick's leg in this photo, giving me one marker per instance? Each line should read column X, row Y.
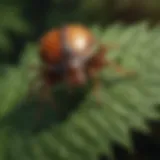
column 120, row 69
column 96, row 85
column 112, row 46
column 45, row 95
column 33, row 87
column 104, row 62
column 34, row 68
column 37, row 80
column 96, row 89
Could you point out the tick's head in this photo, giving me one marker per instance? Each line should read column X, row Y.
column 75, row 73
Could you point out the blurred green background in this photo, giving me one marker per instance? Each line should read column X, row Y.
column 27, row 21
column 23, row 22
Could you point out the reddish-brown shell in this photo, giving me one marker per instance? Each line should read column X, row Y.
column 78, row 39
column 50, row 47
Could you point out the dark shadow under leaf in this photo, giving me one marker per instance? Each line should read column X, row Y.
column 23, row 117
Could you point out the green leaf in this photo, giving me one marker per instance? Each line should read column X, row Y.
column 81, row 129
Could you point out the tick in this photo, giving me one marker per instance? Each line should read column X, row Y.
column 71, row 54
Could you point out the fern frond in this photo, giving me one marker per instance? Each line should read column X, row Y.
column 90, row 129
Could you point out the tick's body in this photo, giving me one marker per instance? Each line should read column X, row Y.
column 67, row 52
column 70, row 54
column 67, row 42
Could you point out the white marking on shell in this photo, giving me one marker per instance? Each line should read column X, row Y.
column 75, row 63
column 80, row 43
